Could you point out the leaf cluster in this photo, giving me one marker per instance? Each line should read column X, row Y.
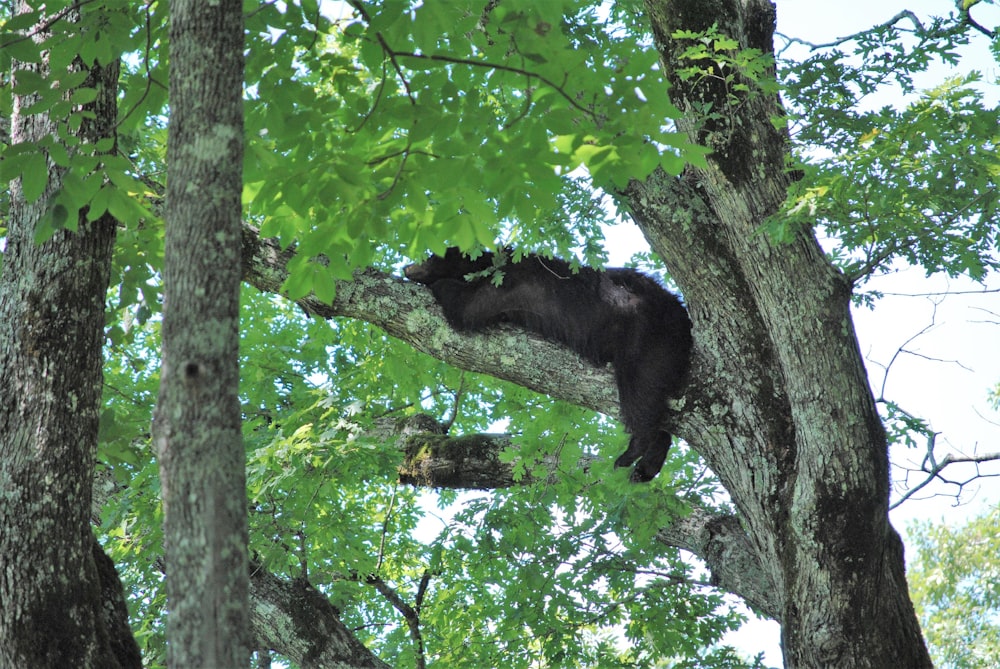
column 917, row 181
column 711, row 60
column 954, row 583
column 54, row 49
column 572, row 588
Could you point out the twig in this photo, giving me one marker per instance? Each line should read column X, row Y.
column 503, row 68
column 410, row 615
column 385, row 530
column 937, row 467
column 967, row 17
column 905, row 14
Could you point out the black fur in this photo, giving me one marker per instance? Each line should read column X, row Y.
column 619, row 316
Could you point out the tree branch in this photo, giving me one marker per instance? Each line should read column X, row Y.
column 905, row 14
column 933, row 469
column 409, row 614
column 408, row 312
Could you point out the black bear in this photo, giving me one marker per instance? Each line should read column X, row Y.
column 619, row 316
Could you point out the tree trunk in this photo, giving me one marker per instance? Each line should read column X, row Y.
column 197, row 423
column 53, row 574
column 298, row 621
column 803, row 452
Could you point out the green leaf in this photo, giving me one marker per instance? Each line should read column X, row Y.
column 324, row 287
column 299, row 283
column 19, row 47
column 99, row 203
column 57, row 152
column 34, row 176
column 81, row 96
column 21, row 21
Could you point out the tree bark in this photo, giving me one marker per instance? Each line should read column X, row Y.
column 61, row 603
column 197, row 423
column 298, row 621
column 407, row 311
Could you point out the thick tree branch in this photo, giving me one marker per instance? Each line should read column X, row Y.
column 408, row 312
column 466, row 462
column 721, row 542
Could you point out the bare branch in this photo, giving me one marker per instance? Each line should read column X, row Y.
column 967, row 17
column 934, row 469
column 905, row 14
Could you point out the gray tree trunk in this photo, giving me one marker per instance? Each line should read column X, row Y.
column 197, row 423
column 53, row 575
column 801, row 448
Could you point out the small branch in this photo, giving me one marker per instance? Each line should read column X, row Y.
column 410, row 615
column 402, row 152
column 936, row 468
column 971, row 22
column 43, row 27
column 425, row 580
column 902, row 349
column 457, row 405
column 872, row 262
column 905, row 14
column 396, row 66
column 504, row 68
column 407, row 152
column 149, row 75
column 985, row 291
column 385, row 530
column 374, row 105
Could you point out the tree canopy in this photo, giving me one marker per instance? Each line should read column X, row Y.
column 953, row 577
column 418, row 496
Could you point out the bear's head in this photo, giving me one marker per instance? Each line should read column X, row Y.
column 452, row 265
